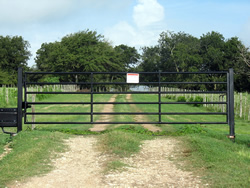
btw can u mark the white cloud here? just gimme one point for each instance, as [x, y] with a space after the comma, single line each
[148, 16]
[26, 11]
[124, 33]
[148, 12]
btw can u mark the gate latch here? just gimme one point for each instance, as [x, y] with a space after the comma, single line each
[25, 105]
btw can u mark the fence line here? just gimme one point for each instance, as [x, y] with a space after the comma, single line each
[8, 97]
[241, 100]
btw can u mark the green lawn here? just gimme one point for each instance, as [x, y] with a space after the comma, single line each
[68, 108]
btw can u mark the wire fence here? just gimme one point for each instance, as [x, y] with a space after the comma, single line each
[8, 98]
[241, 100]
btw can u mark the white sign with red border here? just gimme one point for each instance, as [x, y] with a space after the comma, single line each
[132, 78]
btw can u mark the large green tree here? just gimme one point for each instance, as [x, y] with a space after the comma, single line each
[14, 53]
[84, 51]
[181, 52]
[128, 56]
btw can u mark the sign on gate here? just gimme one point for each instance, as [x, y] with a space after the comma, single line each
[132, 78]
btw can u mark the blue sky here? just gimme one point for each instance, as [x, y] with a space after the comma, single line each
[133, 22]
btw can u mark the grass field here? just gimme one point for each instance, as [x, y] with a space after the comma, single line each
[67, 108]
[208, 152]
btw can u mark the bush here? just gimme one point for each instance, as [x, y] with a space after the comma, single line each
[196, 99]
[181, 99]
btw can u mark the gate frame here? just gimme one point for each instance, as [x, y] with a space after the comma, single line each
[24, 105]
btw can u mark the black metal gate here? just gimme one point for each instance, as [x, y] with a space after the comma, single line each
[149, 79]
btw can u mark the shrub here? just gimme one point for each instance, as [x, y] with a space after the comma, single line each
[196, 99]
[181, 99]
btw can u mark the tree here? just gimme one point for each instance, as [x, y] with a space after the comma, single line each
[179, 51]
[244, 54]
[150, 62]
[4, 77]
[242, 69]
[84, 51]
[211, 51]
[13, 54]
[128, 56]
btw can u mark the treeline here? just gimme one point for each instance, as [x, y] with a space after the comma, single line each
[181, 52]
[14, 53]
[88, 51]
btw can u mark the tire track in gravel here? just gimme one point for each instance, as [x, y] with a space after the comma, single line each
[80, 166]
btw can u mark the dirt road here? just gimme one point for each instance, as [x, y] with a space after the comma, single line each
[82, 166]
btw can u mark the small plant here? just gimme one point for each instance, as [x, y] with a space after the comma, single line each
[196, 99]
[181, 99]
[115, 165]
[191, 129]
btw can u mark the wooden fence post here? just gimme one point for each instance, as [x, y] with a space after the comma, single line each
[33, 126]
[240, 105]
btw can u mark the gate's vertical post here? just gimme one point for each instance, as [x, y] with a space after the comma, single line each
[91, 98]
[25, 97]
[159, 95]
[228, 95]
[231, 104]
[19, 99]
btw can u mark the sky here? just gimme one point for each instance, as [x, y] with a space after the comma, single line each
[136, 23]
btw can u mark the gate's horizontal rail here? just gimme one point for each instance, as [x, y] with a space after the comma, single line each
[131, 92]
[77, 103]
[117, 83]
[126, 113]
[209, 72]
[126, 123]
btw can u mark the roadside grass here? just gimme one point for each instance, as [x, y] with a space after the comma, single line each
[222, 163]
[4, 139]
[31, 155]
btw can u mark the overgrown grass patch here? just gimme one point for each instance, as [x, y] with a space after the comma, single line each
[120, 144]
[31, 154]
[223, 163]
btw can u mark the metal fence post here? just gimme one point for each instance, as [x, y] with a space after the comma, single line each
[231, 105]
[19, 99]
[159, 94]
